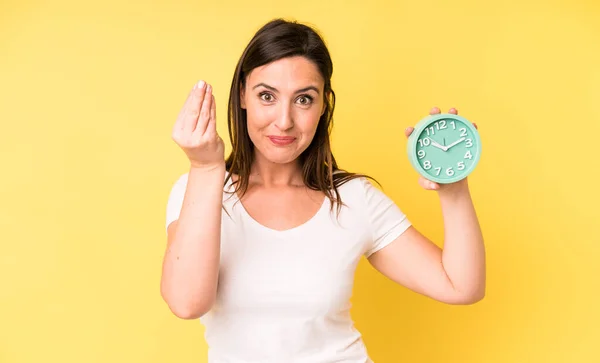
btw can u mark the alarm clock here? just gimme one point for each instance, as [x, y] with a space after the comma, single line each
[444, 148]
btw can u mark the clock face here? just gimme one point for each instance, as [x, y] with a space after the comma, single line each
[446, 148]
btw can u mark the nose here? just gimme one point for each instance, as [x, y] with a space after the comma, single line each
[285, 119]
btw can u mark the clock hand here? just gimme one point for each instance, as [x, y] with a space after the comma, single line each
[456, 142]
[434, 143]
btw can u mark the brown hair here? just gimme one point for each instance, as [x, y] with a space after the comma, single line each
[273, 41]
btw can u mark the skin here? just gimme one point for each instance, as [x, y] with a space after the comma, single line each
[277, 98]
[284, 98]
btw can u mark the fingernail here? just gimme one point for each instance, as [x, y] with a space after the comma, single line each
[200, 84]
[208, 88]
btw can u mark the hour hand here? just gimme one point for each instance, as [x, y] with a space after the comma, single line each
[434, 143]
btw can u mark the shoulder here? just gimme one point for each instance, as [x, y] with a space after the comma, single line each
[356, 186]
[362, 198]
[354, 192]
[367, 195]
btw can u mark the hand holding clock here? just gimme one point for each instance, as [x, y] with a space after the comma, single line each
[462, 258]
[443, 170]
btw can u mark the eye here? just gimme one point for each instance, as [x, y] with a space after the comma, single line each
[266, 96]
[305, 100]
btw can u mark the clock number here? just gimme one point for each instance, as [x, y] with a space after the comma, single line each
[469, 143]
[432, 131]
[468, 155]
[427, 165]
[461, 165]
[438, 169]
[463, 132]
[453, 125]
[421, 154]
[424, 142]
[441, 125]
[449, 171]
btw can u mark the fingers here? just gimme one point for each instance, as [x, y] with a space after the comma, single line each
[191, 110]
[433, 111]
[455, 112]
[436, 110]
[180, 123]
[212, 123]
[428, 184]
[204, 111]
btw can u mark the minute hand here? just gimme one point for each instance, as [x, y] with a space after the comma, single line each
[456, 142]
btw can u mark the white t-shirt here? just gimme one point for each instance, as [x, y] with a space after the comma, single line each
[283, 296]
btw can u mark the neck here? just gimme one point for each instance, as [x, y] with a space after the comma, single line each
[269, 174]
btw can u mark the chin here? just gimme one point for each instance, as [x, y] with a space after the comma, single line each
[279, 155]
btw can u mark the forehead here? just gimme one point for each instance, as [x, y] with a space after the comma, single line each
[287, 73]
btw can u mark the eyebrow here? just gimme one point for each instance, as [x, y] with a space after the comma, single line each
[298, 91]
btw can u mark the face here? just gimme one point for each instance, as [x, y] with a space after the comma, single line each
[283, 102]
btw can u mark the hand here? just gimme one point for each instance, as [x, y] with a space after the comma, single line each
[195, 130]
[426, 183]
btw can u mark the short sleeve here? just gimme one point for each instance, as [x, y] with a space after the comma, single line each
[175, 200]
[386, 220]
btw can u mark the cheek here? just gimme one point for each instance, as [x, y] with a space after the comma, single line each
[257, 119]
[259, 116]
[308, 120]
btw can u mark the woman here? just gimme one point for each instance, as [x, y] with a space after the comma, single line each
[263, 246]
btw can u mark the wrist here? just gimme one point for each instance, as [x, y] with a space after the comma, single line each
[460, 189]
[208, 168]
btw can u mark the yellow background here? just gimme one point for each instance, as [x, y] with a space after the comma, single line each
[88, 95]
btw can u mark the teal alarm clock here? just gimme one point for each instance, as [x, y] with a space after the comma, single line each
[444, 148]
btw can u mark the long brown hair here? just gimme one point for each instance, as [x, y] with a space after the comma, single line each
[273, 41]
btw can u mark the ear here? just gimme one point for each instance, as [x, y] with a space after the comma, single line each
[242, 97]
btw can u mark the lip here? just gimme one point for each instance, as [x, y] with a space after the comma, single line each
[282, 140]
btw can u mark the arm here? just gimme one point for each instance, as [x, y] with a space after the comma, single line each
[191, 262]
[454, 275]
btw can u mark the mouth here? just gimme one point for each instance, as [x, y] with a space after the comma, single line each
[282, 140]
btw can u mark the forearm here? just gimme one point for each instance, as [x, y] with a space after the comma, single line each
[191, 264]
[463, 256]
